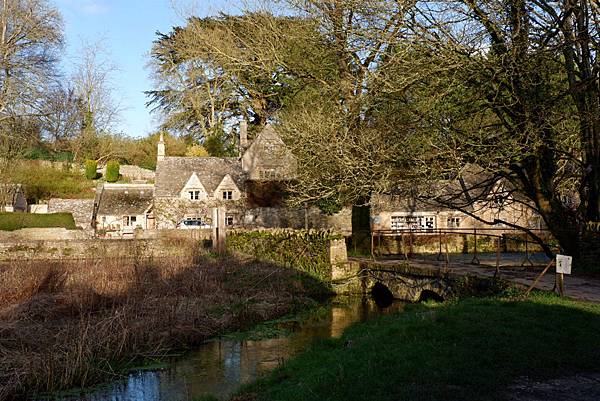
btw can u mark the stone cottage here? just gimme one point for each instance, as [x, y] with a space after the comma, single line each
[246, 189]
[480, 198]
[120, 209]
[192, 187]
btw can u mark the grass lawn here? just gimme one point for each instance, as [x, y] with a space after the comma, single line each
[16, 221]
[466, 350]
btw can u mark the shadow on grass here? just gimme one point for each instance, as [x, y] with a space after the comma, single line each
[469, 350]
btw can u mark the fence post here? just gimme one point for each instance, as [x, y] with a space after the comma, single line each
[447, 256]
[439, 256]
[497, 272]
[475, 260]
[527, 258]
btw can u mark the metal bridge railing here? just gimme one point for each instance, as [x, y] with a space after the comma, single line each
[497, 235]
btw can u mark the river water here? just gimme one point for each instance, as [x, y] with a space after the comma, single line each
[219, 367]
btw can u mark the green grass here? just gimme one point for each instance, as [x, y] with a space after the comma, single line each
[466, 350]
[16, 221]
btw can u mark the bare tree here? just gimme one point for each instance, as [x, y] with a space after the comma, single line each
[95, 92]
[513, 87]
[30, 41]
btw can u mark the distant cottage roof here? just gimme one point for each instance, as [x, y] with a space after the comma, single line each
[125, 199]
[172, 173]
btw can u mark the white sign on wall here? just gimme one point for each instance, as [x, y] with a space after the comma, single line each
[563, 264]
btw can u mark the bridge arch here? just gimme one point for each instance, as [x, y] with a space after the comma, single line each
[430, 295]
[382, 295]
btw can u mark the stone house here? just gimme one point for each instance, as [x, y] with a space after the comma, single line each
[12, 198]
[480, 200]
[193, 187]
[120, 209]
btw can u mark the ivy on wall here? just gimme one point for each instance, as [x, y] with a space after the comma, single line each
[307, 251]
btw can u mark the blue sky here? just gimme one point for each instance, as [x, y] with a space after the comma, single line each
[126, 29]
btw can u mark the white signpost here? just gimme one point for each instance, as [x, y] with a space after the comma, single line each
[563, 264]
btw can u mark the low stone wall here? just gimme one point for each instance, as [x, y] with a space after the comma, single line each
[43, 234]
[311, 218]
[456, 243]
[196, 234]
[133, 172]
[81, 209]
[95, 248]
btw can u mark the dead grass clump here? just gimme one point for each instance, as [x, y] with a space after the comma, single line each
[72, 324]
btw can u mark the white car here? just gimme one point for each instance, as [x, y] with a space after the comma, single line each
[192, 223]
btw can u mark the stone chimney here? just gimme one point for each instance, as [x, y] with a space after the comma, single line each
[243, 134]
[161, 148]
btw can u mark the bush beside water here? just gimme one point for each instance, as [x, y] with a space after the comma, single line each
[307, 251]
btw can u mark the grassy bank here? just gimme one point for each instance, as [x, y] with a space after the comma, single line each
[468, 350]
[66, 325]
[16, 221]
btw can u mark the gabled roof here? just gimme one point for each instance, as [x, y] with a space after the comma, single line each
[125, 199]
[172, 173]
[194, 183]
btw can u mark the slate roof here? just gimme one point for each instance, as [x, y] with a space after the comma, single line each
[172, 173]
[473, 185]
[125, 199]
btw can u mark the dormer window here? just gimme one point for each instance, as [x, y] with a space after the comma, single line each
[227, 195]
[193, 189]
[194, 194]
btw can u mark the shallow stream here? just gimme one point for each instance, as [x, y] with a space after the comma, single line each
[220, 366]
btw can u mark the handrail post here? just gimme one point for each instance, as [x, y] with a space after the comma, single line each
[475, 260]
[497, 272]
[439, 256]
[372, 245]
[447, 256]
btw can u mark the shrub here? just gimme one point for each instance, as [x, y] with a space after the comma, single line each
[43, 182]
[303, 250]
[112, 171]
[91, 167]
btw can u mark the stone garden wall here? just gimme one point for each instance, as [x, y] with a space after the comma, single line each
[95, 248]
[81, 209]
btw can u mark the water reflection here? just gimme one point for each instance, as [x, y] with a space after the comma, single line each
[219, 367]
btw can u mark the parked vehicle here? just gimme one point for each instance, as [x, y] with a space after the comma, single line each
[192, 223]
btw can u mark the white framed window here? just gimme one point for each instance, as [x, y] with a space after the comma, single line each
[129, 221]
[398, 223]
[229, 220]
[227, 195]
[413, 222]
[194, 194]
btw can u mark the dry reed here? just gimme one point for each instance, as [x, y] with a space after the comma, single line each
[74, 324]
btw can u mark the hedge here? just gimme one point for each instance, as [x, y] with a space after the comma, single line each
[307, 251]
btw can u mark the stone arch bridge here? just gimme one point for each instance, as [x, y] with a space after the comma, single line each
[404, 282]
